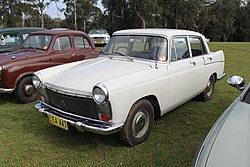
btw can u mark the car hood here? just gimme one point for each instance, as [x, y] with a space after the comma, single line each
[81, 79]
[18, 55]
[232, 145]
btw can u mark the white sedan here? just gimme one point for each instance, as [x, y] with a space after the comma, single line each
[142, 74]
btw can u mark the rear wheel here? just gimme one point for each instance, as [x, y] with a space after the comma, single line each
[138, 124]
[25, 91]
[209, 90]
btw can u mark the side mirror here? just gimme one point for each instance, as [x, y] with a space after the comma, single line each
[236, 81]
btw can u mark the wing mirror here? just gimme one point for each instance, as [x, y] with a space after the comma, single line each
[236, 81]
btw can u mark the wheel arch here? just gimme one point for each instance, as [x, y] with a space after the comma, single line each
[154, 101]
[21, 76]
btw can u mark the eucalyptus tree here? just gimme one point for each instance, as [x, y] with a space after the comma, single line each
[222, 16]
[79, 12]
[10, 13]
[40, 5]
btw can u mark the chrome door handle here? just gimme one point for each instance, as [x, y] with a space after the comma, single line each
[73, 55]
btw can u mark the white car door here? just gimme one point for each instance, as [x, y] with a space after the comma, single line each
[184, 72]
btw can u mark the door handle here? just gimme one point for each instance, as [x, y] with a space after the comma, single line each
[194, 63]
[73, 55]
[209, 58]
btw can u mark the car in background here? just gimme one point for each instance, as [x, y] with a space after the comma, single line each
[12, 38]
[141, 74]
[227, 144]
[41, 49]
[99, 36]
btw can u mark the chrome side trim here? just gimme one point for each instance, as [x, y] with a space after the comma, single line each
[3, 90]
[221, 76]
[82, 124]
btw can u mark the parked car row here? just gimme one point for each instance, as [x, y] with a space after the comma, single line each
[140, 75]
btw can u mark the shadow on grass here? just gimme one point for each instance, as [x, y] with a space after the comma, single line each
[40, 127]
[8, 98]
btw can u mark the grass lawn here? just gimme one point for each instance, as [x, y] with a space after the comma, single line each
[27, 138]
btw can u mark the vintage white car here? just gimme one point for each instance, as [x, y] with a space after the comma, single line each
[141, 75]
[99, 36]
[227, 143]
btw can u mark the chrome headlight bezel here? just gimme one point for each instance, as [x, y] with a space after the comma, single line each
[100, 94]
[37, 81]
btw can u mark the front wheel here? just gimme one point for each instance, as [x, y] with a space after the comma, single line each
[209, 90]
[25, 91]
[138, 124]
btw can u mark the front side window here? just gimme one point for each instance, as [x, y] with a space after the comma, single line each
[37, 42]
[62, 43]
[145, 47]
[81, 42]
[179, 48]
[197, 47]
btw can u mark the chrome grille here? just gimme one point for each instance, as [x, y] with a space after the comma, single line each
[84, 107]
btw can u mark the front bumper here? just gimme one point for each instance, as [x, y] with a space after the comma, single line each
[81, 124]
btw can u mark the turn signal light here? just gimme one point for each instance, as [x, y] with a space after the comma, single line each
[105, 117]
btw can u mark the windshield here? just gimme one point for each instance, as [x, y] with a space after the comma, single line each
[97, 31]
[37, 42]
[146, 47]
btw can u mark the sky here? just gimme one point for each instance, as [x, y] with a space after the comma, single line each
[54, 13]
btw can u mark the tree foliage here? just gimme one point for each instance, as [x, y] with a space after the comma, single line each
[219, 20]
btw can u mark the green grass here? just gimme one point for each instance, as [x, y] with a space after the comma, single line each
[27, 139]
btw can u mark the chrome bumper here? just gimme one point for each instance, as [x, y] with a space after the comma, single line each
[83, 124]
[221, 76]
[3, 90]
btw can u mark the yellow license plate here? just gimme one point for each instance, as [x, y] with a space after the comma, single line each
[58, 122]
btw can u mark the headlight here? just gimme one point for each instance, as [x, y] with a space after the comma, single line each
[37, 82]
[100, 94]
[1, 70]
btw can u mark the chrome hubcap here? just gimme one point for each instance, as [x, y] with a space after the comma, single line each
[29, 89]
[209, 88]
[140, 123]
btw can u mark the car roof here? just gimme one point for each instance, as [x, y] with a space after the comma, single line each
[20, 29]
[156, 32]
[59, 32]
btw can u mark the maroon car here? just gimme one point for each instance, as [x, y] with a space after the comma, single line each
[40, 50]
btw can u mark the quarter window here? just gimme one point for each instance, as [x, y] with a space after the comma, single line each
[62, 43]
[179, 48]
[197, 47]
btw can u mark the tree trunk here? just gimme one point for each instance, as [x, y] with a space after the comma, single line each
[42, 18]
[142, 19]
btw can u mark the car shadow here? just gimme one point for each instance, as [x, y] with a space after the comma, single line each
[8, 98]
[72, 138]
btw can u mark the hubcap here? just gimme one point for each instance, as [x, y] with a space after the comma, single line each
[29, 89]
[140, 123]
[209, 88]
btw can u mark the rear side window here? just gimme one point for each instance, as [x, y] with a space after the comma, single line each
[62, 43]
[197, 46]
[9, 39]
[179, 48]
[81, 42]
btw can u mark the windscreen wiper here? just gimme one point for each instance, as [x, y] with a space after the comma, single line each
[107, 54]
[123, 54]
